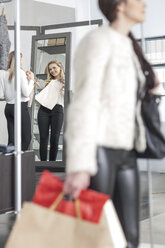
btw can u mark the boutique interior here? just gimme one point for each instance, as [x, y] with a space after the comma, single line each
[51, 30]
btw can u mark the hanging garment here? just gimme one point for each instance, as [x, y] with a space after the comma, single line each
[4, 43]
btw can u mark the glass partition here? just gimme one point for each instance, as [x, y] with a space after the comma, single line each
[155, 52]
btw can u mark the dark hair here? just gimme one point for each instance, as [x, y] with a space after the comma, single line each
[145, 65]
[109, 9]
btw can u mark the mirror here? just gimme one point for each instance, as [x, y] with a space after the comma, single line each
[48, 123]
[33, 37]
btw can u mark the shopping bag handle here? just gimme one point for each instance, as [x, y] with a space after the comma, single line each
[59, 199]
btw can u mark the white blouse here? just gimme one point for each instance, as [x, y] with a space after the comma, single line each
[8, 88]
[103, 109]
[61, 97]
[51, 95]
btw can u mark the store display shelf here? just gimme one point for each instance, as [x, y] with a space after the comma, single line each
[53, 49]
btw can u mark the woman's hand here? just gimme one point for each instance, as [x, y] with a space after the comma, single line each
[30, 75]
[75, 182]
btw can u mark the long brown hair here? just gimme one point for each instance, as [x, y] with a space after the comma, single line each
[11, 65]
[50, 77]
[109, 9]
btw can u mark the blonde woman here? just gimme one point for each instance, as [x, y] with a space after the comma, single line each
[8, 94]
[52, 118]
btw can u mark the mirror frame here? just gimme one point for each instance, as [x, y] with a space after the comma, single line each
[36, 38]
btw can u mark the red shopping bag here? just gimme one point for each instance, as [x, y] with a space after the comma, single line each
[49, 220]
[90, 201]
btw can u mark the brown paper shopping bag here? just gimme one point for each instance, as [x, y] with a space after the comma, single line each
[39, 227]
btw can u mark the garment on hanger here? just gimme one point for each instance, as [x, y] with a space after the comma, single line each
[4, 43]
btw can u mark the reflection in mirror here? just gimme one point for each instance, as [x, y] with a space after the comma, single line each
[49, 68]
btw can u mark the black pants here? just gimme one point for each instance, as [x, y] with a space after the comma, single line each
[118, 176]
[52, 119]
[25, 125]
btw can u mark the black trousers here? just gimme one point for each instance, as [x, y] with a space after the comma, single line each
[118, 176]
[52, 119]
[25, 125]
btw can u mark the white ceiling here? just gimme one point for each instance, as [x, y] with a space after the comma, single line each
[35, 13]
[66, 3]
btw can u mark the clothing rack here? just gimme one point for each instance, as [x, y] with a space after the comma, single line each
[17, 109]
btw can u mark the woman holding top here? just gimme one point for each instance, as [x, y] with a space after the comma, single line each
[104, 122]
[7, 79]
[50, 114]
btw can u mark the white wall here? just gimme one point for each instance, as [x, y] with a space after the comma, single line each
[96, 12]
[66, 3]
[155, 18]
[82, 10]
[34, 13]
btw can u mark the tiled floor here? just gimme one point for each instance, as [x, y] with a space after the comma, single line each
[158, 219]
[6, 223]
[149, 246]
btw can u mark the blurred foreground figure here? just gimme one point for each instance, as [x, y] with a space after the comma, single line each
[104, 123]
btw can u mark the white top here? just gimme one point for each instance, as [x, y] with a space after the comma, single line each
[103, 109]
[61, 96]
[7, 89]
[51, 95]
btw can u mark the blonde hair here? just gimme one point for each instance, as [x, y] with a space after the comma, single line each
[50, 77]
[11, 65]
